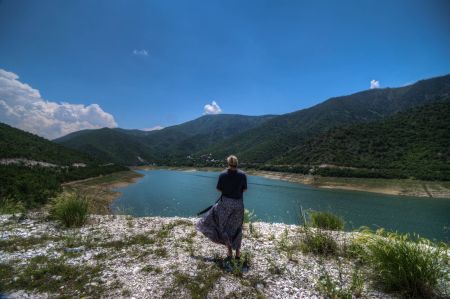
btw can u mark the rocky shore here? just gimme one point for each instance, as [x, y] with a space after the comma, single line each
[155, 257]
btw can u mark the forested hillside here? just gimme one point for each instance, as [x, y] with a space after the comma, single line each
[414, 143]
[33, 168]
[296, 141]
[134, 147]
[280, 134]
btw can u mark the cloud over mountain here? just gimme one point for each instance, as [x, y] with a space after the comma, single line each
[23, 107]
[212, 108]
[374, 84]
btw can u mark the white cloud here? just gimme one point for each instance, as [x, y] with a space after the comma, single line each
[153, 128]
[141, 52]
[212, 108]
[23, 107]
[374, 84]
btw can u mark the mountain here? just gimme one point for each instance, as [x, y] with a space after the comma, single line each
[412, 143]
[118, 145]
[280, 134]
[131, 147]
[289, 139]
[32, 168]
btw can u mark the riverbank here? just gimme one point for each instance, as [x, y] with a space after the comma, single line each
[401, 187]
[99, 190]
[155, 257]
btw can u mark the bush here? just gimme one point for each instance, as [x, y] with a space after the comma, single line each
[70, 208]
[318, 242]
[326, 220]
[248, 216]
[11, 206]
[415, 267]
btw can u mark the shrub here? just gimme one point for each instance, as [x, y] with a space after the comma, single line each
[248, 216]
[415, 267]
[11, 206]
[326, 220]
[318, 242]
[70, 209]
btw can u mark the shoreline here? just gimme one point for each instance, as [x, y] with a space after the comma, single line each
[397, 187]
[100, 189]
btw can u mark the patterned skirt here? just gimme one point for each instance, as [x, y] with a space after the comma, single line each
[223, 222]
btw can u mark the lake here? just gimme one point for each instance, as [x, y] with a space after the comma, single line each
[184, 193]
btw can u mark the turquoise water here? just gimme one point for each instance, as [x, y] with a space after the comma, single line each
[179, 193]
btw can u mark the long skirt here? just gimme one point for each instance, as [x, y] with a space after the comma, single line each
[223, 222]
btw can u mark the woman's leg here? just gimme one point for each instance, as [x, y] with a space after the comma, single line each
[230, 252]
[238, 253]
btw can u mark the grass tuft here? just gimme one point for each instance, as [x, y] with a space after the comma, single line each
[70, 209]
[326, 220]
[412, 266]
[318, 242]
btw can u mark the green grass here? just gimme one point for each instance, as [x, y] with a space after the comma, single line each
[53, 276]
[412, 266]
[201, 284]
[19, 243]
[318, 242]
[11, 206]
[335, 289]
[326, 220]
[71, 209]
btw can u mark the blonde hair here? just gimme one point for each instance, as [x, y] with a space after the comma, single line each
[232, 161]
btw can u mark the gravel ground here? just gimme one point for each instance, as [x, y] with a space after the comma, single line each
[156, 257]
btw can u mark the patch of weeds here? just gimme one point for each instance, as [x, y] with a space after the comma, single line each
[150, 268]
[130, 223]
[101, 256]
[19, 243]
[11, 206]
[239, 266]
[160, 252]
[336, 288]
[325, 220]
[44, 275]
[288, 246]
[275, 269]
[318, 242]
[248, 216]
[412, 266]
[126, 293]
[71, 209]
[178, 222]
[201, 284]
[163, 233]
[139, 239]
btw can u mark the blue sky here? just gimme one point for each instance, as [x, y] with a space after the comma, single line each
[150, 63]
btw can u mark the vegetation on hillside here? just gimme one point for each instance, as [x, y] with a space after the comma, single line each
[370, 134]
[32, 185]
[166, 146]
[414, 143]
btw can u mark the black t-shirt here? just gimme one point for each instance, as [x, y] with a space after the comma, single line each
[232, 183]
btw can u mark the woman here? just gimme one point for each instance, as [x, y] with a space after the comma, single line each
[223, 222]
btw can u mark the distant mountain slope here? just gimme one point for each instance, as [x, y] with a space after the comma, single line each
[413, 143]
[113, 144]
[15, 143]
[32, 168]
[131, 147]
[282, 133]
